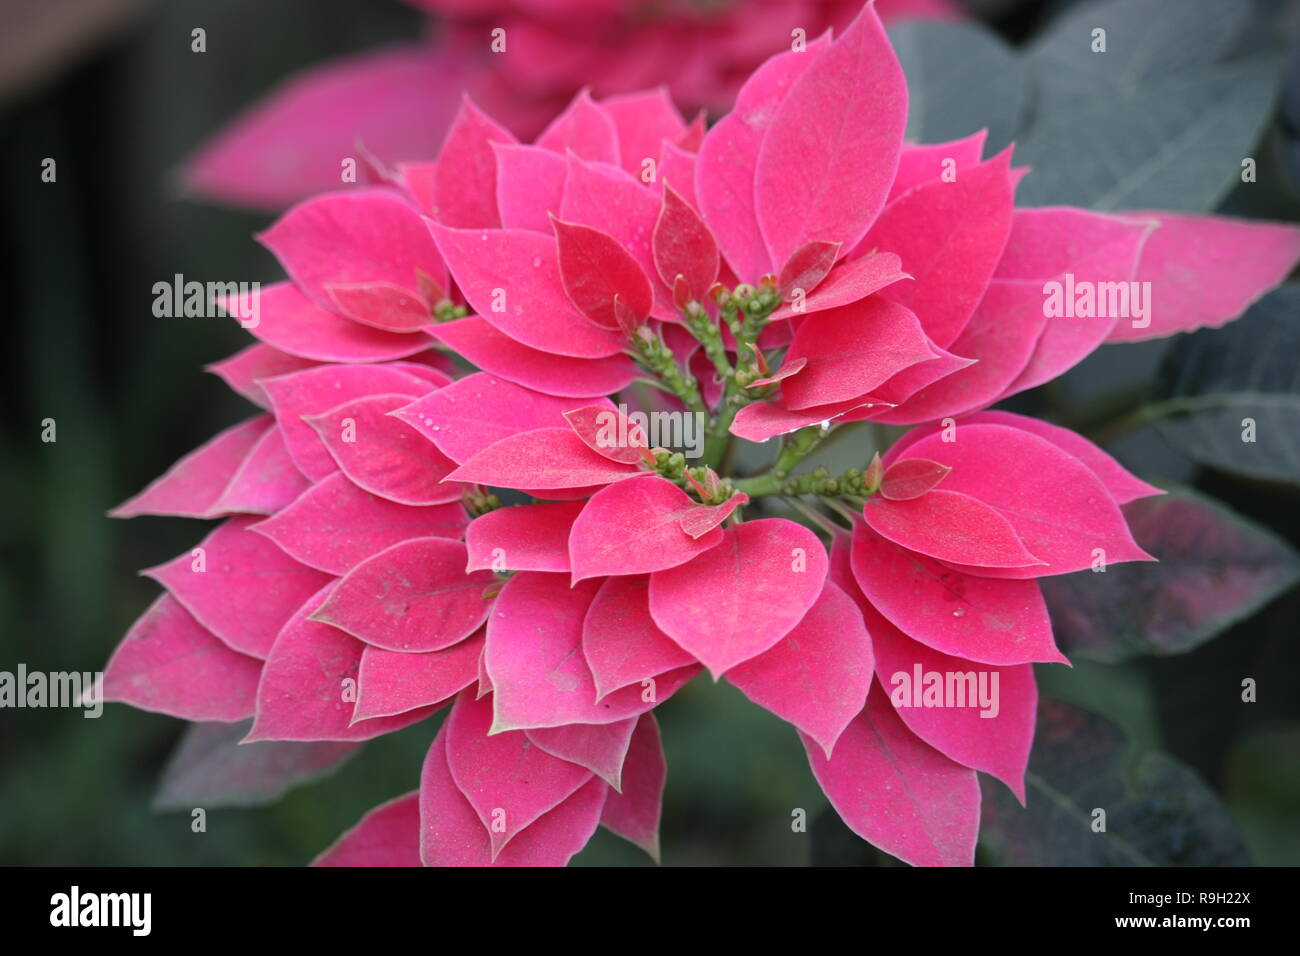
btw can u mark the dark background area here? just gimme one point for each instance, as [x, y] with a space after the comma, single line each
[78, 260]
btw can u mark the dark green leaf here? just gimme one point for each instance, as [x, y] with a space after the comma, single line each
[1174, 145]
[210, 768]
[1216, 568]
[1214, 379]
[960, 78]
[1146, 42]
[1157, 811]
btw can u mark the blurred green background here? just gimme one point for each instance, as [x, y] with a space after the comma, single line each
[119, 112]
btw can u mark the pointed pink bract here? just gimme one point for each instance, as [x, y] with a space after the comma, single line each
[918, 165]
[267, 480]
[383, 454]
[474, 412]
[620, 640]
[243, 370]
[532, 537]
[899, 793]
[356, 237]
[909, 478]
[394, 682]
[1057, 506]
[682, 245]
[290, 145]
[829, 157]
[335, 525]
[464, 182]
[585, 128]
[612, 202]
[643, 120]
[849, 282]
[1085, 250]
[511, 277]
[724, 176]
[302, 692]
[317, 390]
[601, 748]
[297, 325]
[1122, 485]
[737, 600]
[535, 662]
[950, 236]
[853, 349]
[991, 734]
[702, 519]
[609, 432]
[506, 780]
[389, 835]
[414, 596]
[171, 664]
[542, 459]
[634, 813]
[952, 526]
[387, 307]
[530, 184]
[596, 272]
[269, 585]
[997, 343]
[633, 527]
[503, 357]
[452, 834]
[806, 267]
[192, 486]
[817, 676]
[978, 618]
[1206, 270]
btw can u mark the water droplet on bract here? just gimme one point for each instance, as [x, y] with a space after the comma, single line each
[960, 612]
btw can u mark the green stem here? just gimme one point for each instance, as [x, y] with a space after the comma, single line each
[814, 516]
[758, 485]
[655, 355]
[797, 447]
[756, 306]
[717, 443]
[1138, 418]
[710, 338]
[840, 510]
[718, 440]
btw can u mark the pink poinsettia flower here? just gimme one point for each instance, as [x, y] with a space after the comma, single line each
[522, 61]
[516, 543]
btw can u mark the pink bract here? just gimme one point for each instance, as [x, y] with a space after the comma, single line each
[523, 546]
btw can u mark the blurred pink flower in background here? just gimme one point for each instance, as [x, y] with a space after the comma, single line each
[398, 102]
